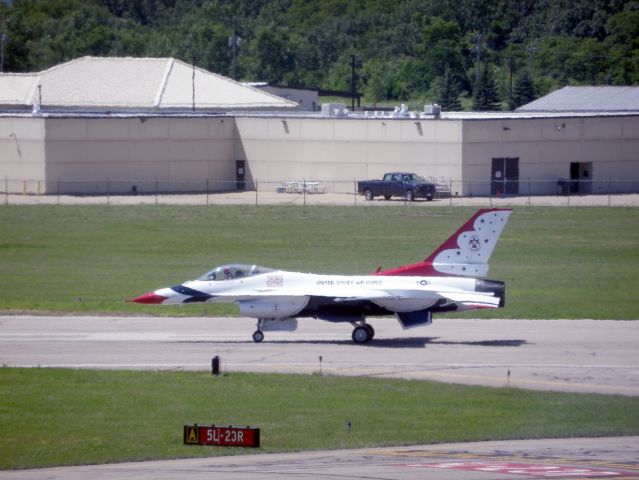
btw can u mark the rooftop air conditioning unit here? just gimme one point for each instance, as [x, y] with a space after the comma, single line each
[434, 110]
[334, 109]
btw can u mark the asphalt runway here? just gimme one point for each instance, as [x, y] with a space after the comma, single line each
[561, 355]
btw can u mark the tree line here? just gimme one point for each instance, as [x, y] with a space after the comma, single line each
[480, 54]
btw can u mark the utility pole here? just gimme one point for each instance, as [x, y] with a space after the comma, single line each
[353, 82]
[116, 36]
[234, 44]
[193, 85]
[478, 58]
[510, 81]
[532, 48]
[4, 38]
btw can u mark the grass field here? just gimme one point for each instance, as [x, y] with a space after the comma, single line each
[557, 262]
[64, 417]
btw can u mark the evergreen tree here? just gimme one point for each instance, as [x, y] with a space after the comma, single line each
[449, 90]
[375, 90]
[524, 91]
[485, 96]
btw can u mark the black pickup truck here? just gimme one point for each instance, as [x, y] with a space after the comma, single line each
[397, 184]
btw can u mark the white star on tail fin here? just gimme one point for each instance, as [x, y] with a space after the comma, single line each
[469, 250]
[466, 252]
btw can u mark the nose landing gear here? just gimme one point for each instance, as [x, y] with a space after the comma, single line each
[258, 336]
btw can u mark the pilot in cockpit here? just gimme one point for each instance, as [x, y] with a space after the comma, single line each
[229, 272]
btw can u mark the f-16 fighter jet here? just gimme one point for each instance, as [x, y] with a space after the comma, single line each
[447, 281]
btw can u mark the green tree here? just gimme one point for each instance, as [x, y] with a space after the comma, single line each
[440, 50]
[485, 97]
[310, 42]
[622, 43]
[524, 91]
[447, 91]
[272, 57]
[589, 63]
[376, 89]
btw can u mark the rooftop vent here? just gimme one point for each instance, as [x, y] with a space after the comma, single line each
[433, 109]
[334, 109]
[401, 112]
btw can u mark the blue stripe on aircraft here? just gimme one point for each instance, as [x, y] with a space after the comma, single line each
[196, 295]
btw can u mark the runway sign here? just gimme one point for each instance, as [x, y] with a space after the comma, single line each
[221, 436]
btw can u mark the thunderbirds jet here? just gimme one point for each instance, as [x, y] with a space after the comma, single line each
[446, 281]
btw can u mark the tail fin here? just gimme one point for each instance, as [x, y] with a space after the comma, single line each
[466, 252]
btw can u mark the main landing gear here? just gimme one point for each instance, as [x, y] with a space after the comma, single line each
[363, 332]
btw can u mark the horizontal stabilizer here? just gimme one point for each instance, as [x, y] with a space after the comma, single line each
[473, 300]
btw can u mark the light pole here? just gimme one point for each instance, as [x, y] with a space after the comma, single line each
[478, 57]
[532, 48]
[3, 40]
[234, 44]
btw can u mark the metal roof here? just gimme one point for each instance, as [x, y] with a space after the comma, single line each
[586, 99]
[138, 84]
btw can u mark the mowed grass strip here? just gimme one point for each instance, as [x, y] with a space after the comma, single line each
[557, 262]
[69, 417]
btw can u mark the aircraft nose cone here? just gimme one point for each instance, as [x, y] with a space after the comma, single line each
[149, 298]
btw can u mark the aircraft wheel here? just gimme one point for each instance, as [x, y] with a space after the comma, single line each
[258, 336]
[371, 331]
[361, 335]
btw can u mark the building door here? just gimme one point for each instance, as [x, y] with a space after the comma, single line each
[240, 174]
[581, 177]
[505, 176]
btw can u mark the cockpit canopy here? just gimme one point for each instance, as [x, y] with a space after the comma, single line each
[233, 271]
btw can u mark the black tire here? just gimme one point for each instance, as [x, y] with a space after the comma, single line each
[368, 194]
[429, 197]
[258, 336]
[371, 331]
[410, 196]
[361, 335]
[387, 197]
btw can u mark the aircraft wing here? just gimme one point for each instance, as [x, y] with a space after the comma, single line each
[338, 293]
[369, 295]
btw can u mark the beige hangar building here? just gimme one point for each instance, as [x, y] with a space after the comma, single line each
[122, 125]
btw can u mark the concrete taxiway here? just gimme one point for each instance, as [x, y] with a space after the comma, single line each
[526, 459]
[561, 355]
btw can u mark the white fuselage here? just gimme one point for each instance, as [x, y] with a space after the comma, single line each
[280, 294]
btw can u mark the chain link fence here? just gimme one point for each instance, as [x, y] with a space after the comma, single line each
[315, 192]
